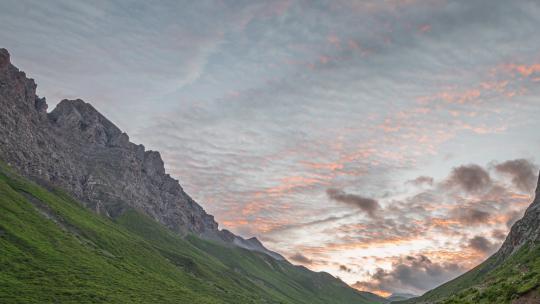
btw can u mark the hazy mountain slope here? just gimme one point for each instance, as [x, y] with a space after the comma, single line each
[55, 250]
[400, 297]
[512, 274]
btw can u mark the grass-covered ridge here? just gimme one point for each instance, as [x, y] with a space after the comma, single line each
[53, 250]
[516, 278]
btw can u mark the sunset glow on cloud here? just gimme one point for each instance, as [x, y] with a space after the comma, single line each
[389, 143]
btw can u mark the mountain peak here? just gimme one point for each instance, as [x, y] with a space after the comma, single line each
[78, 149]
[81, 118]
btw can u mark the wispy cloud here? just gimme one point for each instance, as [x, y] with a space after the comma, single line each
[369, 205]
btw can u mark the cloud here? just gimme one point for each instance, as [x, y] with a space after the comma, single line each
[370, 206]
[410, 274]
[421, 180]
[314, 223]
[345, 268]
[300, 258]
[522, 171]
[481, 244]
[471, 178]
[471, 216]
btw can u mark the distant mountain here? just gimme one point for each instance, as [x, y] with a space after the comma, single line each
[146, 241]
[511, 275]
[400, 297]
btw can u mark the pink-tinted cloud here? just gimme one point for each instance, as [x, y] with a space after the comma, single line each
[524, 70]
[424, 28]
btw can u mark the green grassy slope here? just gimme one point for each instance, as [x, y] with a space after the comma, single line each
[53, 250]
[515, 278]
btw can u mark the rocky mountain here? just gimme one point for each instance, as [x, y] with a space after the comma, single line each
[54, 250]
[86, 216]
[76, 148]
[524, 231]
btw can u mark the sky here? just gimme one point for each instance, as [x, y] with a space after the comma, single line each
[391, 143]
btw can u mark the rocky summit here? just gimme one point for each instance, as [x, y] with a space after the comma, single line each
[77, 149]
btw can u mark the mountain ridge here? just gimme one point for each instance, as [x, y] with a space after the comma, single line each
[55, 250]
[78, 149]
[89, 217]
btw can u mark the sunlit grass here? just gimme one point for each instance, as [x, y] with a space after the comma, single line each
[53, 250]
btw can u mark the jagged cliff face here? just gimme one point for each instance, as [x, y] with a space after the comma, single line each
[526, 230]
[78, 149]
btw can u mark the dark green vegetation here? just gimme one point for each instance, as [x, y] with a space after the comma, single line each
[53, 250]
[492, 282]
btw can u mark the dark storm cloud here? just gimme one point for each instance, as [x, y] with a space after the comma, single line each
[522, 171]
[481, 244]
[300, 258]
[368, 205]
[411, 273]
[471, 178]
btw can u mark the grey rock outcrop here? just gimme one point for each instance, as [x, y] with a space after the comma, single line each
[77, 149]
[254, 244]
[524, 231]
